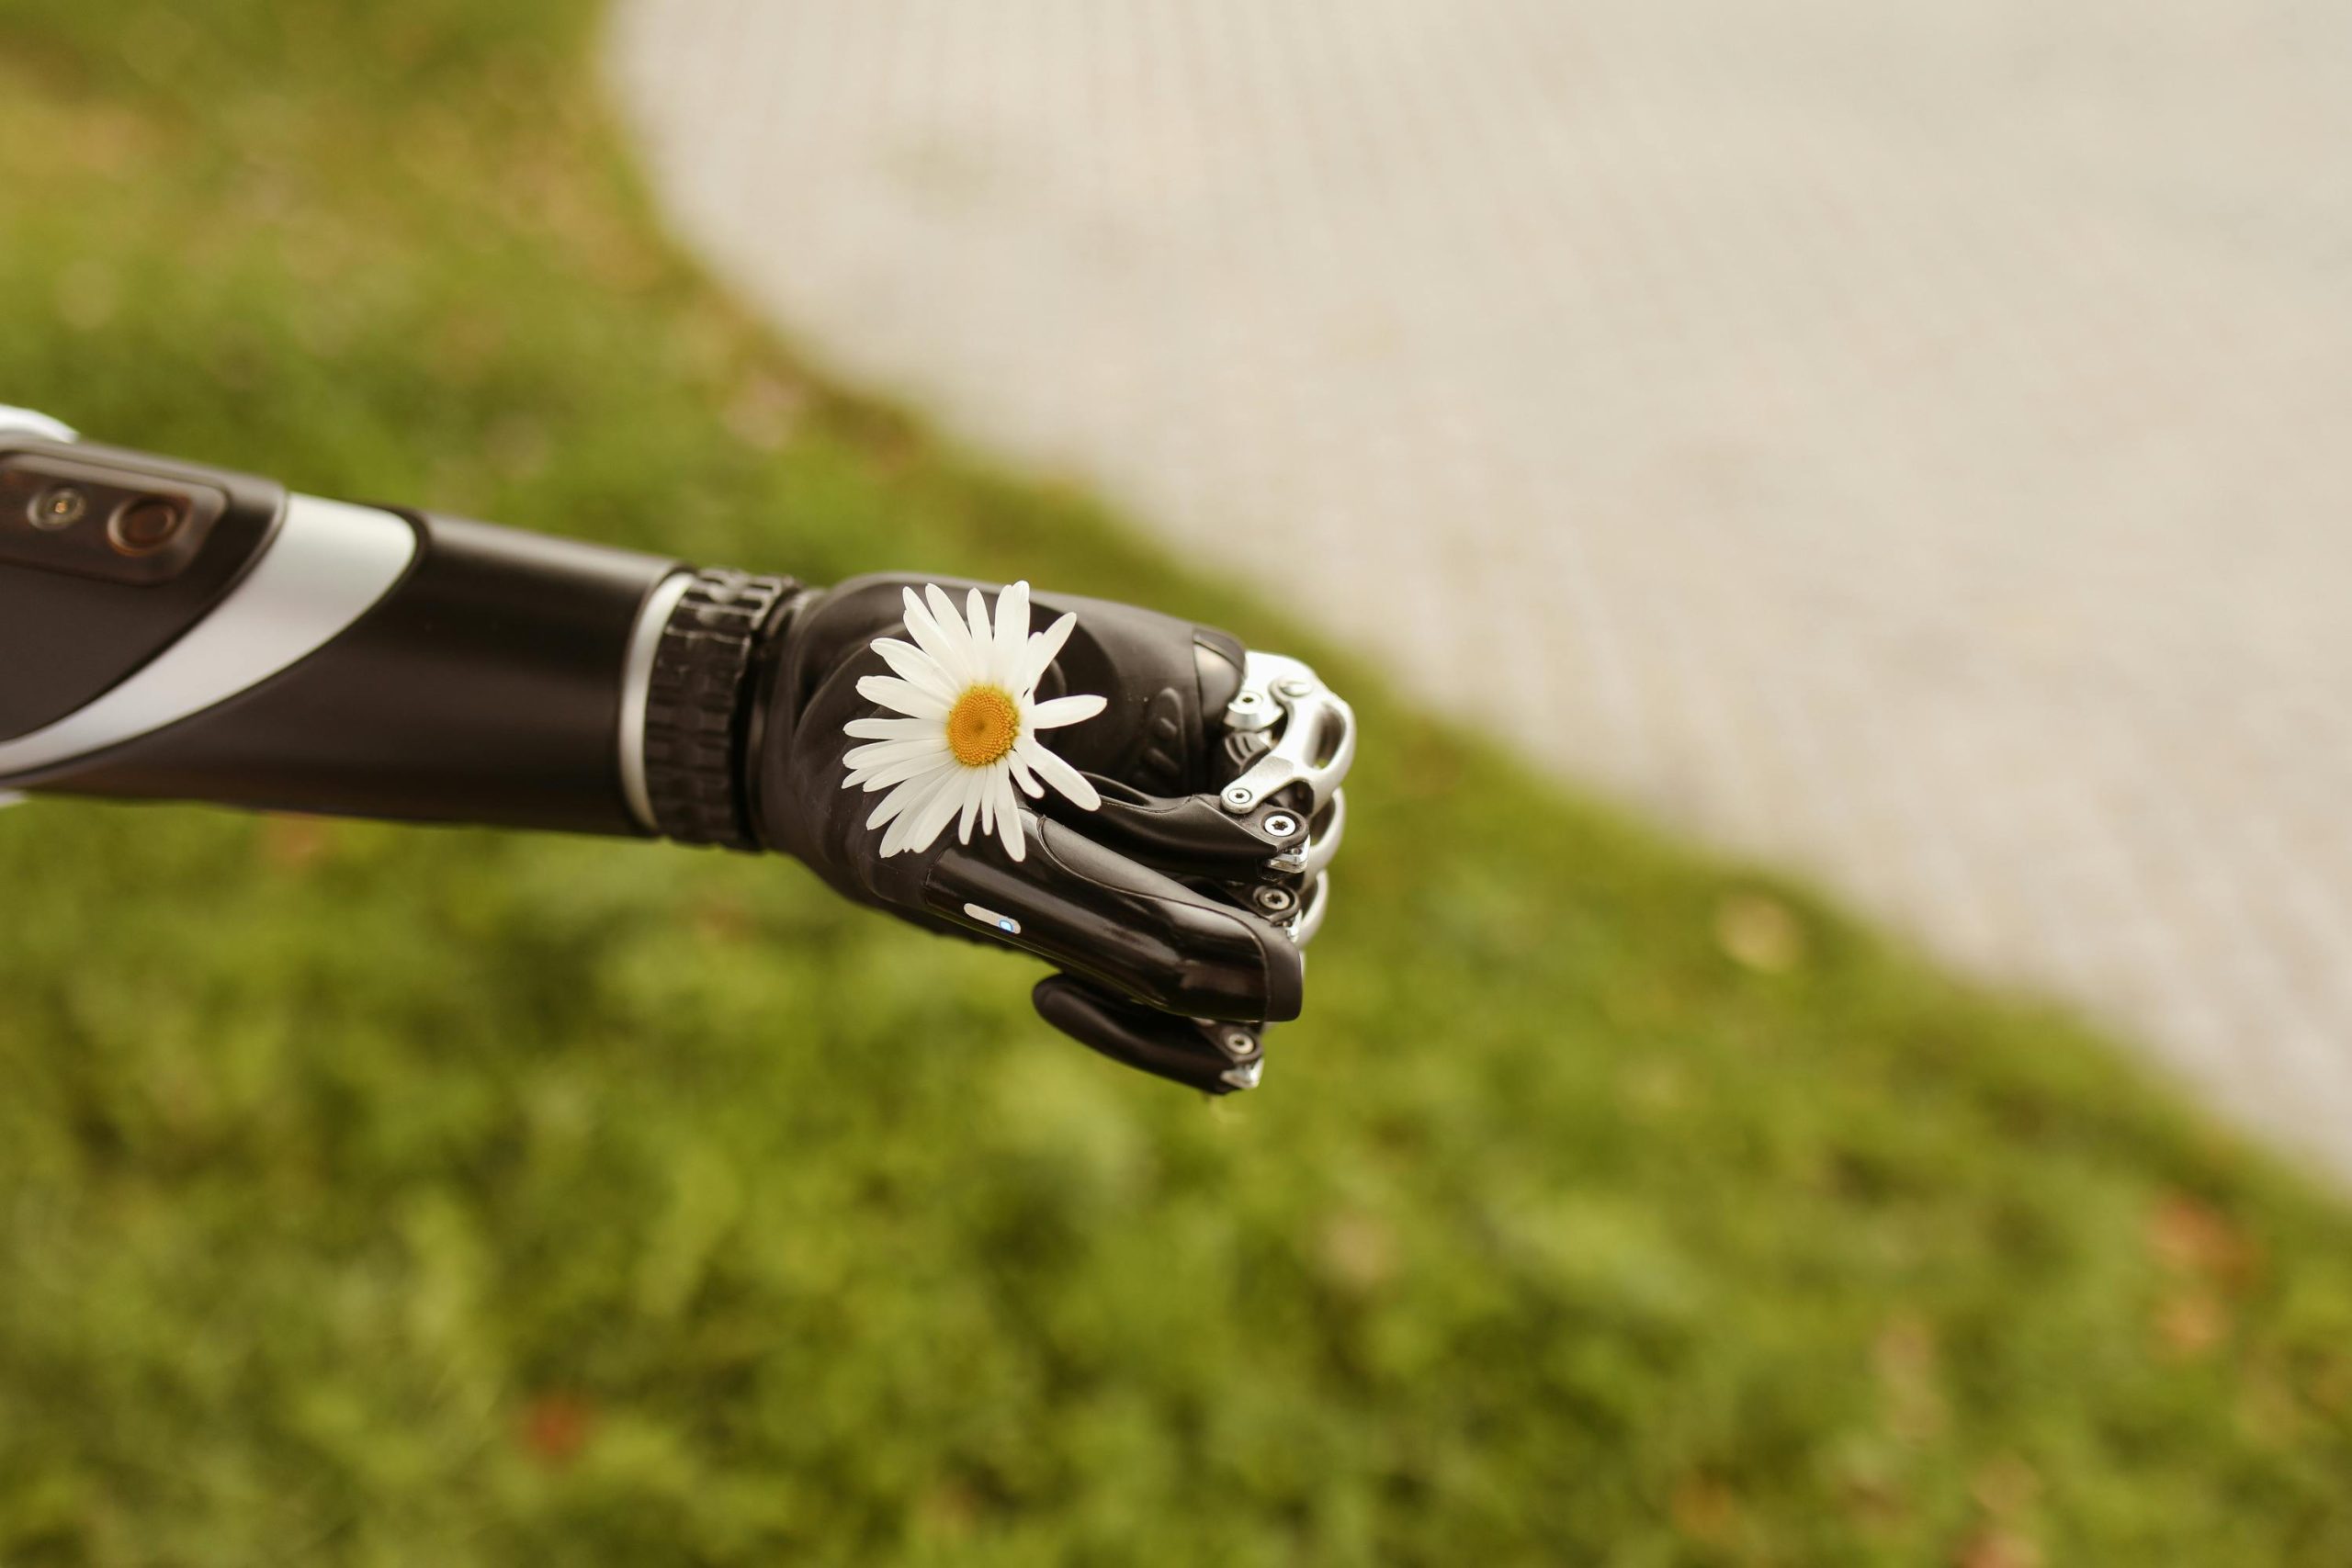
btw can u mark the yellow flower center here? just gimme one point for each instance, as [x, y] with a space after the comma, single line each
[983, 725]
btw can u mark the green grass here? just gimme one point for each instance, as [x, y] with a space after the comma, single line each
[394, 1196]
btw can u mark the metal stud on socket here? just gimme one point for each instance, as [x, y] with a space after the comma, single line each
[59, 506]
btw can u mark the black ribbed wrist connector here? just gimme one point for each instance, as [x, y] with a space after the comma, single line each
[694, 718]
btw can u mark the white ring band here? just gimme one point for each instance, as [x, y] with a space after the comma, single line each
[637, 691]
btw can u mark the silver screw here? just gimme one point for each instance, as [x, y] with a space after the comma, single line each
[1238, 796]
[1277, 901]
[1281, 824]
[1239, 1044]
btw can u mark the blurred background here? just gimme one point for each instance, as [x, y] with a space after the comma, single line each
[1905, 446]
[1723, 455]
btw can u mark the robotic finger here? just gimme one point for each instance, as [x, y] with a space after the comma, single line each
[1173, 946]
[1216, 1058]
[1261, 843]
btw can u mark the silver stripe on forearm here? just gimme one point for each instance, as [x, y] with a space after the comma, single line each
[327, 566]
[25, 422]
[637, 690]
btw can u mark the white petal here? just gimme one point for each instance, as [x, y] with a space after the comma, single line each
[939, 810]
[1008, 816]
[1063, 710]
[988, 812]
[906, 698]
[924, 628]
[896, 767]
[914, 791]
[912, 768]
[1024, 777]
[1057, 773]
[976, 615]
[896, 728]
[892, 803]
[1012, 632]
[1041, 653]
[882, 753]
[925, 795]
[971, 812]
[952, 630]
[916, 667]
[919, 797]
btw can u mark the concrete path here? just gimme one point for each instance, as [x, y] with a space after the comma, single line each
[1908, 443]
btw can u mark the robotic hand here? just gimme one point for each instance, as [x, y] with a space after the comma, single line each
[169, 631]
[1177, 906]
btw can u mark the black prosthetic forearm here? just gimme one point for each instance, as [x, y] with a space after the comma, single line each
[175, 631]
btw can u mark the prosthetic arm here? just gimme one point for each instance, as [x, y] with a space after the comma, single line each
[171, 631]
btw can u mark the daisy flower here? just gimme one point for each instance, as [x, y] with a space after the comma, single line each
[965, 722]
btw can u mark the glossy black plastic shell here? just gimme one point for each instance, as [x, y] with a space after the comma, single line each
[485, 687]
[66, 639]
